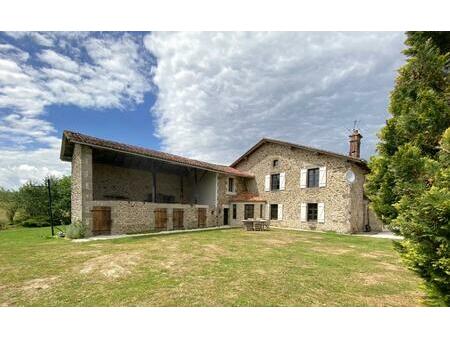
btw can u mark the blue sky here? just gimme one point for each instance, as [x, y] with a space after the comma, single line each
[209, 96]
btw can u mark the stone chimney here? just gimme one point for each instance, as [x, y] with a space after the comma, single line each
[355, 144]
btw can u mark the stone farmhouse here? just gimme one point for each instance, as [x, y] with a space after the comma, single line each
[119, 188]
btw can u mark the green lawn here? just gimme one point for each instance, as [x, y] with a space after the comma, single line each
[211, 268]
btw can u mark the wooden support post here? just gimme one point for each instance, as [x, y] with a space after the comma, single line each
[196, 186]
[153, 184]
[181, 189]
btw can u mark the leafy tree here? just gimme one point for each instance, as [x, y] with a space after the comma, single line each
[9, 201]
[410, 178]
[34, 199]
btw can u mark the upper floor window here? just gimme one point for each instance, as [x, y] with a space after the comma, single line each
[275, 163]
[313, 178]
[275, 182]
[231, 187]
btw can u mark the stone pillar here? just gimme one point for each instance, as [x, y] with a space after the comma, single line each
[82, 190]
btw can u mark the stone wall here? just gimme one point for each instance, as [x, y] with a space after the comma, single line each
[136, 185]
[224, 197]
[81, 183]
[135, 217]
[336, 195]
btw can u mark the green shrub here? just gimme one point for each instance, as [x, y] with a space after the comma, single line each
[76, 230]
[36, 222]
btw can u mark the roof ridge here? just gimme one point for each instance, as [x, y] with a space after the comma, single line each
[266, 139]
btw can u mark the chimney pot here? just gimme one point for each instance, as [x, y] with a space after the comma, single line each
[355, 144]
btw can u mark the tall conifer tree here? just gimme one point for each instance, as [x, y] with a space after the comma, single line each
[410, 177]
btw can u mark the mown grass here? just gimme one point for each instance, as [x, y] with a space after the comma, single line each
[212, 268]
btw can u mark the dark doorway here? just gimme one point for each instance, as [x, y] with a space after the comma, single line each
[225, 216]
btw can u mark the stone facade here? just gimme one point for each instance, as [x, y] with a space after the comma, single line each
[343, 203]
[92, 183]
[345, 208]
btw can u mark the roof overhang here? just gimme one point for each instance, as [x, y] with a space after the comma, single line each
[69, 139]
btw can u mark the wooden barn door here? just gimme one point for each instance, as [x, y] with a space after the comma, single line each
[101, 220]
[160, 219]
[178, 215]
[201, 217]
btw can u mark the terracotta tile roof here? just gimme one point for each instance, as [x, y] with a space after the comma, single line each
[73, 137]
[247, 197]
[358, 161]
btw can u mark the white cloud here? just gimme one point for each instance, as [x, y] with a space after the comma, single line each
[219, 93]
[112, 73]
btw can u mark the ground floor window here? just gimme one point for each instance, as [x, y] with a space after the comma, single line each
[260, 211]
[312, 212]
[274, 211]
[234, 211]
[249, 211]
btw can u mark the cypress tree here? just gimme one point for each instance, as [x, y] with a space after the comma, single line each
[410, 178]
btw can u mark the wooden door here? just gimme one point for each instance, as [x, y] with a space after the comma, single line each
[101, 220]
[160, 219]
[201, 217]
[178, 219]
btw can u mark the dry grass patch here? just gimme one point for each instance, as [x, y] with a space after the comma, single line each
[111, 266]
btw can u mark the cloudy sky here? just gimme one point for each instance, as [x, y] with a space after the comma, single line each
[209, 96]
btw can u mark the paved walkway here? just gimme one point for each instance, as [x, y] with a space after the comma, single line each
[107, 237]
[381, 234]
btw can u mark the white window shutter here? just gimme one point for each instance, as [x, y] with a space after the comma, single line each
[282, 180]
[267, 215]
[303, 212]
[280, 212]
[321, 212]
[322, 176]
[303, 173]
[267, 183]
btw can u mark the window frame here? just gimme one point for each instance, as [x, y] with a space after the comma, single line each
[272, 182]
[275, 163]
[272, 208]
[249, 207]
[231, 185]
[315, 179]
[260, 211]
[234, 211]
[312, 215]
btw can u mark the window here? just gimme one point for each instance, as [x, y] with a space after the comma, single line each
[313, 177]
[275, 163]
[275, 182]
[312, 212]
[260, 211]
[249, 211]
[274, 211]
[231, 184]
[234, 211]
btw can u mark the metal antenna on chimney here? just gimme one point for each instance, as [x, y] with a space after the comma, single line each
[355, 124]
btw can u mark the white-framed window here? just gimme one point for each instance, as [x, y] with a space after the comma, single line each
[312, 212]
[276, 211]
[313, 177]
[275, 182]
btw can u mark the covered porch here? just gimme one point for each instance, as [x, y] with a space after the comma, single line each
[123, 189]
